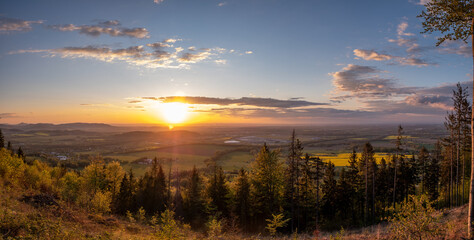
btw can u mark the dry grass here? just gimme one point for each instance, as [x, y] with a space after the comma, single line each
[22, 220]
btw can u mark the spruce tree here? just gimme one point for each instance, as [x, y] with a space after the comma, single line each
[194, 205]
[242, 208]
[2, 140]
[218, 192]
[267, 178]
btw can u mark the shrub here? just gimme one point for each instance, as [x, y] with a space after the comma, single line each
[168, 228]
[276, 222]
[70, 186]
[100, 203]
[214, 228]
[416, 219]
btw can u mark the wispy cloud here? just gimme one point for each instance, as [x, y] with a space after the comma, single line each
[154, 55]
[371, 55]
[8, 25]
[244, 101]
[8, 115]
[111, 28]
[158, 1]
[221, 4]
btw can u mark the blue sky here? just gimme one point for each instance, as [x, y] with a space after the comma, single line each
[328, 61]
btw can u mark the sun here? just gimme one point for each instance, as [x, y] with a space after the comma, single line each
[174, 113]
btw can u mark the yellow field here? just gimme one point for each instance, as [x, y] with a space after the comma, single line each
[394, 137]
[342, 159]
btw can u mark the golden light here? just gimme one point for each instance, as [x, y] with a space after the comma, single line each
[174, 113]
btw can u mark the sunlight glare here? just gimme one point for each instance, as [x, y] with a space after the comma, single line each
[174, 112]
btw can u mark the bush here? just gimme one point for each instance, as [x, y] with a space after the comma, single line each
[168, 228]
[70, 186]
[416, 219]
[10, 167]
[100, 203]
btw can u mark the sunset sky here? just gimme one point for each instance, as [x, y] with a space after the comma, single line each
[230, 61]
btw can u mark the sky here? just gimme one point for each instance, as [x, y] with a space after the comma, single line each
[224, 61]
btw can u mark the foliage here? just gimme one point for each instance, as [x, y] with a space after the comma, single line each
[450, 17]
[100, 203]
[214, 228]
[168, 228]
[416, 219]
[276, 222]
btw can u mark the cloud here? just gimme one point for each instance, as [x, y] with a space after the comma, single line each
[8, 25]
[195, 57]
[423, 2]
[110, 28]
[456, 47]
[402, 27]
[221, 4]
[357, 81]
[375, 56]
[221, 61]
[371, 55]
[413, 61]
[153, 55]
[244, 101]
[158, 1]
[8, 115]
[248, 52]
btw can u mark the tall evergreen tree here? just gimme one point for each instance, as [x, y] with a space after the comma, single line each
[20, 153]
[2, 140]
[267, 178]
[329, 189]
[218, 191]
[194, 205]
[242, 206]
[292, 173]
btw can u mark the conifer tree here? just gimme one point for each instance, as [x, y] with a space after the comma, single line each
[267, 178]
[242, 208]
[329, 189]
[292, 174]
[2, 140]
[218, 191]
[20, 153]
[194, 204]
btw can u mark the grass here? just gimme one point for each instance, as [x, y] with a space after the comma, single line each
[235, 160]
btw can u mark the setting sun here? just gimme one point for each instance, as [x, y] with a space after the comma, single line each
[174, 112]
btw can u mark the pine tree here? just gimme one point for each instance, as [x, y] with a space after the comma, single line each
[292, 174]
[20, 153]
[2, 140]
[9, 147]
[423, 163]
[218, 192]
[242, 207]
[367, 168]
[194, 204]
[153, 196]
[267, 178]
[329, 188]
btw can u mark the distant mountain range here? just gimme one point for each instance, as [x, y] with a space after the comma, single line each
[93, 127]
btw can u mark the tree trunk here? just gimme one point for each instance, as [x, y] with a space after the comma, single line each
[471, 188]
